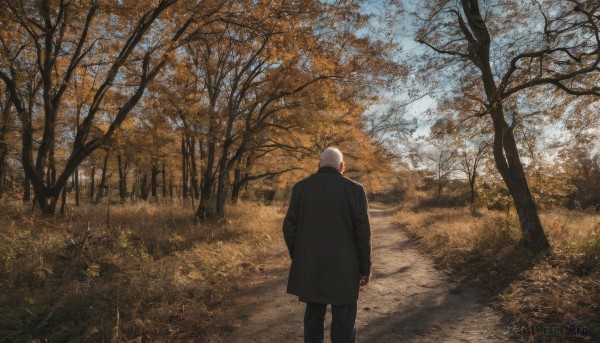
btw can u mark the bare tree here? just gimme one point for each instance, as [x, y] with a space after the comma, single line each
[441, 163]
[492, 59]
[470, 161]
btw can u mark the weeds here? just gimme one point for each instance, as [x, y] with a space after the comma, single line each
[559, 288]
[155, 275]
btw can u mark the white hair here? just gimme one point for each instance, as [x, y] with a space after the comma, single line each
[331, 157]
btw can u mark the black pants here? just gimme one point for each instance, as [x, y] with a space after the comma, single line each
[343, 323]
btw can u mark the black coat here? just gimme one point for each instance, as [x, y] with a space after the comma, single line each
[328, 236]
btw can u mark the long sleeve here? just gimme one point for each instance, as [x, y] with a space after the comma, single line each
[362, 229]
[290, 223]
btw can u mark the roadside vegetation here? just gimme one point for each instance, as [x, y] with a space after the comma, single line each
[485, 248]
[153, 274]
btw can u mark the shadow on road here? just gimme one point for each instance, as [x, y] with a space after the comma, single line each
[408, 300]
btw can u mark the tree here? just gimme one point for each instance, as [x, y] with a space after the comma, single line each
[583, 170]
[257, 70]
[470, 160]
[496, 60]
[46, 42]
[441, 161]
[5, 107]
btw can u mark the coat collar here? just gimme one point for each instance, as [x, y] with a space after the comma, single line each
[329, 170]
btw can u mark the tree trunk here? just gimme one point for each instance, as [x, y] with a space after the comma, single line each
[164, 180]
[206, 209]
[102, 188]
[26, 189]
[2, 163]
[506, 154]
[153, 181]
[473, 194]
[222, 193]
[122, 178]
[76, 186]
[3, 145]
[225, 165]
[203, 163]
[92, 183]
[144, 188]
[193, 168]
[51, 180]
[3, 153]
[237, 184]
[63, 201]
[76, 172]
[510, 167]
[136, 183]
[184, 169]
[45, 198]
[241, 178]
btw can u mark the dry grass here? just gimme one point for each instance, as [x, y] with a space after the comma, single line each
[559, 289]
[154, 275]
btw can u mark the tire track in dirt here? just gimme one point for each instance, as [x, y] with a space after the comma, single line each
[407, 300]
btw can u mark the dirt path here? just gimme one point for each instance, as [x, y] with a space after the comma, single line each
[408, 300]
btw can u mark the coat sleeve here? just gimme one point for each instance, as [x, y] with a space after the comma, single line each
[290, 223]
[362, 230]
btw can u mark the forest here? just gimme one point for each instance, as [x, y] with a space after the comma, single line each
[148, 151]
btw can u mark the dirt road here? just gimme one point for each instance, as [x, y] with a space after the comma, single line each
[408, 299]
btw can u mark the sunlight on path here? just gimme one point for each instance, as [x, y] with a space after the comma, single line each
[408, 300]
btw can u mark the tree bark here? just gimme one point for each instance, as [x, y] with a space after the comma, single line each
[2, 163]
[472, 187]
[153, 181]
[237, 183]
[3, 143]
[46, 199]
[51, 180]
[63, 201]
[193, 171]
[164, 180]
[241, 175]
[206, 209]
[223, 180]
[136, 182]
[144, 187]
[122, 177]
[92, 183]
[102, 187]
[506, 154]
[184, 169]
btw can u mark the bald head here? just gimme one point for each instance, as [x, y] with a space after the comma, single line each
[332, 157]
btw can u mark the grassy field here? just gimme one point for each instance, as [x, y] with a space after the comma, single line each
[153, 274]
[562, 288]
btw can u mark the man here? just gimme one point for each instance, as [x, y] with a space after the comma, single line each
[328, 236]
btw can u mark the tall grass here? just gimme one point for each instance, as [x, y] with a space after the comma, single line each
[560, 288]
[153, 274]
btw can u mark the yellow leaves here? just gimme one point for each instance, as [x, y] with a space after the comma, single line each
[93, 270]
